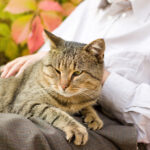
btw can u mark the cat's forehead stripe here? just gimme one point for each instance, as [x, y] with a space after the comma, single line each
[67, 62]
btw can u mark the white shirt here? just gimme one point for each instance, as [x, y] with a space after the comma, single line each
[126, 31]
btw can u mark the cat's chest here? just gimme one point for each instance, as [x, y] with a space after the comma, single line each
[72, 108]
[70, 105]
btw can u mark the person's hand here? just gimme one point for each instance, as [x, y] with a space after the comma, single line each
[17, 66]
[105, 76]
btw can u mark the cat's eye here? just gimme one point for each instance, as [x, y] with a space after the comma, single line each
[77, 73]
[57, 71]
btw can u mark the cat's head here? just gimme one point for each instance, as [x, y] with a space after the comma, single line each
[73, 68]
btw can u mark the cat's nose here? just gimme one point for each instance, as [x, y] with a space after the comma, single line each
[64, 86]
[64, 81]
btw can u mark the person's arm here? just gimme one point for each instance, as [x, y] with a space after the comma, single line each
[129, 102]
[17, 66]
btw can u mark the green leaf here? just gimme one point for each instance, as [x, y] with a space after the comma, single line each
[11, 50]
[9, 47]
[21, 6]
[25, 52]
[6, 16]
[3, 43]
[3, 3]
[62, 1]
[4, 30]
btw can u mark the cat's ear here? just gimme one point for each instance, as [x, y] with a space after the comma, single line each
[96, 48]
[54, 40]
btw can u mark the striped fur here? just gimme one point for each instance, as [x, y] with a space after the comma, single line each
[66, 81]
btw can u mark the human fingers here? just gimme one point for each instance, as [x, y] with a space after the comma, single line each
[7, 67]
[10, 68]
[9, 64]
[15, 68]
[24, 66]
[2, 68]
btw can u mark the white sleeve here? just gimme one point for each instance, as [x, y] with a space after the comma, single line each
[129, 102]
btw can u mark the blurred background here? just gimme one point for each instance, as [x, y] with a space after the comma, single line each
[22, 23]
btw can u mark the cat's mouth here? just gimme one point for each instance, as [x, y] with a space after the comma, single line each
[68, 93]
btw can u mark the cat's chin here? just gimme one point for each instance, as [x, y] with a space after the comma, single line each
[65, 94]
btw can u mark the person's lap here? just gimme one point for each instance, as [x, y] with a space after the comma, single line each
[18, 133]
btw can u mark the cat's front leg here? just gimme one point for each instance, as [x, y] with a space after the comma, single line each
[57, 118]
[91, 118]
[69, 125]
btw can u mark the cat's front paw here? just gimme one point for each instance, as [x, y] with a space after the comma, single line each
[77, 133]
[93, 122]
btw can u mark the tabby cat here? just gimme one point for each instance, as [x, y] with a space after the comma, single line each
[66, 81]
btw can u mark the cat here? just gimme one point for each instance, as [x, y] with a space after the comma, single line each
[66, 81]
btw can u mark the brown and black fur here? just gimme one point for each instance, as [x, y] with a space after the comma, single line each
[66, 81]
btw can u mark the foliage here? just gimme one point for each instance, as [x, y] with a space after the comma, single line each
[22, 23]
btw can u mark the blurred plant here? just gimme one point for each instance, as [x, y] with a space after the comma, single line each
[8, 48]
[22, 23]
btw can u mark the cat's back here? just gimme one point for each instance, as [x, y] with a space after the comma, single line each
[7, 84]
[11, 87]
[8, 89]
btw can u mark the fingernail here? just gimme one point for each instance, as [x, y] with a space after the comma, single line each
[2, 76]
[17, 75]
[7, 76]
